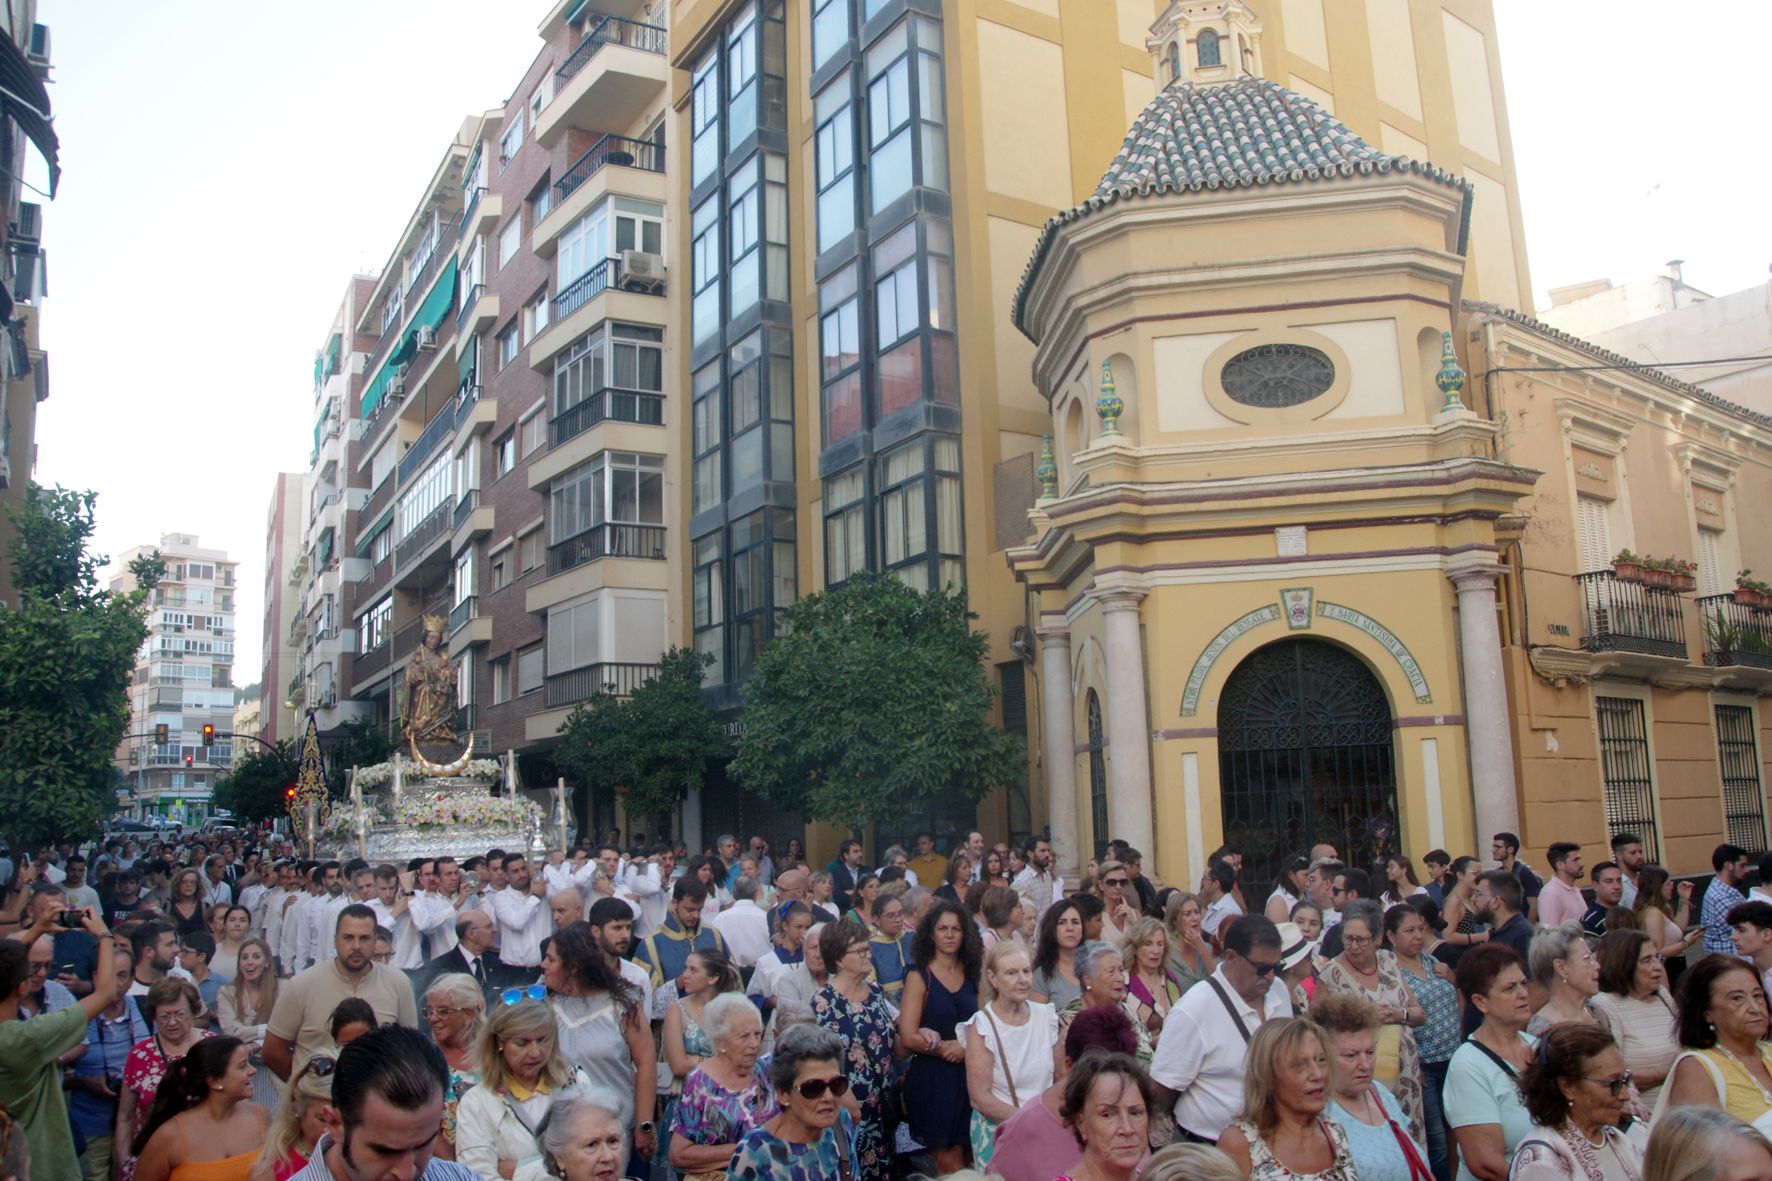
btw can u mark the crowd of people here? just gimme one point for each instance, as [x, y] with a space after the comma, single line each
[217, 1008]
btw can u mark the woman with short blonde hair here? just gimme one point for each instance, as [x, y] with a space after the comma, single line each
[1284, 1132]
[1705, 1144]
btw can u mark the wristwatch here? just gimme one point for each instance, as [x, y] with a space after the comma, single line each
[646, 1128]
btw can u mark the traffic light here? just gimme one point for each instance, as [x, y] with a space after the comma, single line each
[289, 794]
[208, 735]
[162, 734]
[190, 760]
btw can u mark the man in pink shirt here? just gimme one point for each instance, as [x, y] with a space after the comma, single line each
[1561, 901]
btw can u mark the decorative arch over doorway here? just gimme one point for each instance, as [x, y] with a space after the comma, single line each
[1305, 755]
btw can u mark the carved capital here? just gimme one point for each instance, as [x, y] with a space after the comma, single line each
[1119, 598]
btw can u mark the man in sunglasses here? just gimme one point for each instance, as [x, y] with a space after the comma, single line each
[1201, 1056]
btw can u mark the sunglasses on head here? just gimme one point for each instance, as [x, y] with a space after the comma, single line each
[535, 992]
[814, 1088]
[321, 1065]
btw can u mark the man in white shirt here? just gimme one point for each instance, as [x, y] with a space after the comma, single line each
[744, 925]
[1627, 850]
[293, 930]
[1038, 886]
[649, 883]
[320, 915]
[1216, 888]
[216, 890]
[80, 895]
[975, 851]
[608, 880]
[561, 874]
[1204, 1049]
[523, 920]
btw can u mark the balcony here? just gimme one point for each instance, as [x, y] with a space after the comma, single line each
[369, 663]
[462, 612]
[615, 164]
[297, 684]
[1632, 621]
[478, 311]
[483, 212]
[413, 292]
[580, 684]
[465, 504]
[603, 405]
[613, 540]
[1737, 641]
[614, 74]
[436, 432]
[583, 289]
[611, 149]
[605, 292]
[411, 551]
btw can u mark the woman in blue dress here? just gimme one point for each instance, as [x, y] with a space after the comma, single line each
[940, 994]
[856, 1010]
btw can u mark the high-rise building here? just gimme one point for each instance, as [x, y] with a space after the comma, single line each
[284, 523]
[184, 679]
[24, 368]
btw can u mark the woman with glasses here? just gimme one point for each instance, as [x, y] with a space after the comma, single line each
[1120, 911]
[1634, 1006]
[97, 1075]
[890, 946]
[856, 1010]
[1365, 969]
[1564, 966]
[813, 1136]
[726, 1096]
[1407, 931]
[940, 995]
[1725, 1061]
[1483, 1106]
[602, 1029]
[498, 1122]
[298, 1122]
[172, 1008]
[186, 907]
[454, 1009]
[1576, 1089]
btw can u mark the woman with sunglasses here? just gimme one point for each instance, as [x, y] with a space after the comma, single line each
[602, 1028]
[1575, 1090]
[455, 1009]
[856, 1010]
[498, 1122]
[813, 1135]
[298, 1123]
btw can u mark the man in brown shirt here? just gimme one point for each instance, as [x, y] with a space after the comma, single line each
[300, 1025]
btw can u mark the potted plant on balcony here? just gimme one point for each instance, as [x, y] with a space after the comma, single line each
[1627, 567]
[1683, 573]
[1657, 574]
[1750, 591]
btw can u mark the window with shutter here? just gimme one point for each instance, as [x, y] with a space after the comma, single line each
[1593, 527]
[1710, 562]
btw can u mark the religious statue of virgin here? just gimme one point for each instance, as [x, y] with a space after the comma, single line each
[430, 691]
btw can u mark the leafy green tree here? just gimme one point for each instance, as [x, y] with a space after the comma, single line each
[872, 702]
[67, 648]
[253, 787]
[364, 744]
[655, 745]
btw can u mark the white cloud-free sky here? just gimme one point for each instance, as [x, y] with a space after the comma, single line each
[228, 165]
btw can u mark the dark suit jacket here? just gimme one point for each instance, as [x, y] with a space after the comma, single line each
[499, 975]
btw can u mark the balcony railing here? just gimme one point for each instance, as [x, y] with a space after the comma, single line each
[465, 504]
[1735, 634]
[1622, 616]
[611, 149]
[612, 30]
[473, 203]
[462, 612]
[441, 426]
[580, 684]
[613, 540]
[373, 661]
[295, 683]
[605, 404]
[435, 525]
[467, 305]
[583, 289]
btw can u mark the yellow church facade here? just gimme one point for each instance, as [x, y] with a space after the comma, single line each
[1288, 556]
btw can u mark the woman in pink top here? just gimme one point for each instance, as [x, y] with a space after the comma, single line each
[1032, 1142]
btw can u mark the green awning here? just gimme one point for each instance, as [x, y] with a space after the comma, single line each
[323, 548]
[332, 349]
[319, 369]
[382, 524]
[431, 313]
[469, 358]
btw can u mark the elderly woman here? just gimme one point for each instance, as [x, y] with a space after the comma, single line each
[1055, 953]
[1564, 966]
[1704, 1144]
[856, 1010]
[812, 1136]
[1107, 1105]
[1364, 968]
[726, 1096]
[1012, 1046]
[1030, 1144]
[1634, 1006]
[1101, 970]
[1408, 930]
[454, 1009]
[585, 1137]
[518, 1057]
[1191, 1162]
[1575, 1090]
[1724, 1061]
[1149, 991]
[940, 995]
[1368, 1113]
[172, 1008]
[1284, 1133]
[1190, 952]
[1483, 1106]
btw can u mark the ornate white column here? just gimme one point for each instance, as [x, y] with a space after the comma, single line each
[1058, 740]
[1128, 723]
[1486, 727]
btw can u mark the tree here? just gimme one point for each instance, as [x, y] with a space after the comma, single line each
[873, 702]
[654, 745]
[364, 745]
[67, 649]
[253, 787]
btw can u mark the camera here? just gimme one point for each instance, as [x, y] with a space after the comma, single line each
[73, 919]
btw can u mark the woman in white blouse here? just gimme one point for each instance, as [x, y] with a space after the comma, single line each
[497, 1123]
[1013, 1051]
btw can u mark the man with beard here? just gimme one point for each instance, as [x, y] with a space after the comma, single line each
[321, 914]
[523, 918]
[301, 1022]
[1036, 884]
[614, 933]
[1627, 850]
[155, 947]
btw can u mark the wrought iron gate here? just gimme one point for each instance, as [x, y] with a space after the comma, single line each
[1305, 755]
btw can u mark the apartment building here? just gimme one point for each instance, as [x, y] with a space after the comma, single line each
[285, 521]
[24, 368]
[184, 679]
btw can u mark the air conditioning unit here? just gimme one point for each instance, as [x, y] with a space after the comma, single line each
[29, 227]
[427, 338]
[397, 385]
[642, 270]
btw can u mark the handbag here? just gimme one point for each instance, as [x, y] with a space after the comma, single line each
[1003, 1054]
[1418, 1170]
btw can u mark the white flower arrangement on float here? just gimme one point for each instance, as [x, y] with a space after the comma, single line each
[437, 810]
[382, 774]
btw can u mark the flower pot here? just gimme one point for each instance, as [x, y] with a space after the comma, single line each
[1627, 571]
[1657, 577]
[1748, 597]
[1685, 582]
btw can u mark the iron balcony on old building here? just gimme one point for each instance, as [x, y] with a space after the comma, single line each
[1631, 617]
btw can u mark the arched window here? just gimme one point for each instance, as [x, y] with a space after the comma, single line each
[1174, 61]
[1098, 809]
[1206, 45]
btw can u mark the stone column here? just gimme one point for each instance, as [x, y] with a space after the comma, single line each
[1058, 742]
[1128, 723]
[1486, 727]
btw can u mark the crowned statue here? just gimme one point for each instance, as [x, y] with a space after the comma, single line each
[431, 703]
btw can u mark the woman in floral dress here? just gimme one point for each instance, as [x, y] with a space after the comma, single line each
[856, 1011]
[726, 1096]
[172, 1005]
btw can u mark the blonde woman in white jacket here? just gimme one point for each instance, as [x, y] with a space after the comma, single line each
[521, 1071]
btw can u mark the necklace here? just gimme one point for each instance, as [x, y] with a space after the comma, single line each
[1765, 1097]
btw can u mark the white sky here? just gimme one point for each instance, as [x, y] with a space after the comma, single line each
[227, 166]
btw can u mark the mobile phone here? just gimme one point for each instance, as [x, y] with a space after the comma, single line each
[73, 918]
[63, 970]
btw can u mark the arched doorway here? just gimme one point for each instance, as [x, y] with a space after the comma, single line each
[1305, 755]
